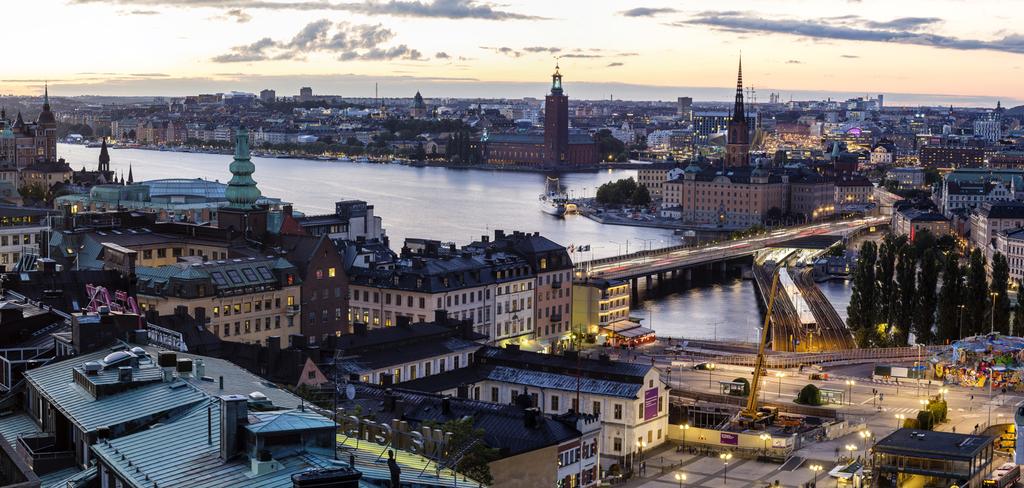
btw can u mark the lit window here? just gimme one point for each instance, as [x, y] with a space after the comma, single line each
[331, 272]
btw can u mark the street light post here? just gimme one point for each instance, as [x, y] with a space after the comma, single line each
[851, 448]
[711, 366]
[849, 387]
[680, 477]
[899, 420]
[780, 375]
[725, 457]
[685, 427]
[993, 313]
[816, 468]
[962, 320]
[765, 437]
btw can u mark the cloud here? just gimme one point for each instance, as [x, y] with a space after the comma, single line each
[344, 40]
[614, 65]
[904, 23]
[503, 50]
[849, 56]
[445, 9]
[441, 55]
[143, 12]
[794, 61]
[579, 53]
[647, 12]
[850, 28]
[150, 75]
[238, 15]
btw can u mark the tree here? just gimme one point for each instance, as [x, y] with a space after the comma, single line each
[1000, 319]
[809, 395]
[887, 298]
[949, 299]
[641, 196]
[618, 192]
[906, 274]
[977, 294]
[608, 147]
[1018, 314]
[746, 386]
[475, 462]
[927, 281]
[861, 311]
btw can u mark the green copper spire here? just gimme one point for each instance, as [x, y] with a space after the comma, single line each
[242, 191]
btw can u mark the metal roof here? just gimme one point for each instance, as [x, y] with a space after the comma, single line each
[11, 426]
[564, 382]
[287, 421]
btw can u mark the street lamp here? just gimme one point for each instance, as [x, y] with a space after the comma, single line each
[685, 427]
[816, 468]
[711, 367]
[725, 457]
[899, 420]
[640, 452]
[851, 448]
[962, 320]
[942, 393]
[680, 477]
[780, 375]
[849, 387]
[866, 435]
[765, 437]
[993, 314]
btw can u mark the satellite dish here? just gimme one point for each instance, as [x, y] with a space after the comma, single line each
[350, 392]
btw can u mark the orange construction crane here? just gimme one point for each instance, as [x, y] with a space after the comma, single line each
[751, 413]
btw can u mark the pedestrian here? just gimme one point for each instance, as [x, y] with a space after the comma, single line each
[394, 469]
[954, 429]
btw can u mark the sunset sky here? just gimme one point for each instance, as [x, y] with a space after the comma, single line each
[914, 51]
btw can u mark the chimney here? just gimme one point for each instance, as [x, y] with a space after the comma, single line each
[359, 328]
[403, 321]
[167, 359]
[499, 234]
[287, 210]
[463, 391]
[200, 314]
[181, 311]
[297, 341]
[124, 374]
[446, 406]
[184, 367]
[531, 417]
[200, 368]
[440, 316]
[233, 412]
[152, 315]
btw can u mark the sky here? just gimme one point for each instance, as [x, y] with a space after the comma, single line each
[961, 52]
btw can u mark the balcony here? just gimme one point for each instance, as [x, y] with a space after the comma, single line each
[41, 453]
[292, 310]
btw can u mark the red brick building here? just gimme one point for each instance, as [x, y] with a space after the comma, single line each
[556, 147]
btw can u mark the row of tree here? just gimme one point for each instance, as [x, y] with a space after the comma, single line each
[896, 292]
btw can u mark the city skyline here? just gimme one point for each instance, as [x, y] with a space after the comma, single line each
[796, 48]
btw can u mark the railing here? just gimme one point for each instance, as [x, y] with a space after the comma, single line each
[792, 360]
[292, 310]
[39, 452]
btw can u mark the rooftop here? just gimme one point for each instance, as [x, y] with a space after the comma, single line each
[933, 444]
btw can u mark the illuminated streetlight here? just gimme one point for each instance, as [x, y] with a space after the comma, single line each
[866, 435]
[899, 420]
[816, 468]
[765, 437]
[725, 457]
[849, 387]
[780, 375]
[993, 313]
[943, 392]
[711, 367]
[684, 427]
[680, 477]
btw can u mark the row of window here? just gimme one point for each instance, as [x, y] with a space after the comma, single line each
[246, 326]
[249, 307]
[18, 240]
[411, 370]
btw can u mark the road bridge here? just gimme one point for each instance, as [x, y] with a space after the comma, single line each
[679, 261]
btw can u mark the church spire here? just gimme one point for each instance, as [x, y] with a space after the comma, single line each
[46, 96]
[131, 179]
[104, 157]
[242, 191]
[738, 111]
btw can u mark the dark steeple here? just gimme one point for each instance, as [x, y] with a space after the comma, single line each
[104, 157]
[46, 117]
[131, 179]
[738, 112]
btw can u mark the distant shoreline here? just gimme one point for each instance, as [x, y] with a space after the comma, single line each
[424, 164]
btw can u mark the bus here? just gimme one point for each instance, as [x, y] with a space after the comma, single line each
[1006, 475]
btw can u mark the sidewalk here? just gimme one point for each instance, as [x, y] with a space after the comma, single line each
[710, 472]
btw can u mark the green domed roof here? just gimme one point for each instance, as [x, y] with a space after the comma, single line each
[241, 190]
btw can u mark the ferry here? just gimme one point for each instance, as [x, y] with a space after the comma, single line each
[552, 203]
[362, 159]
[554, 200]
